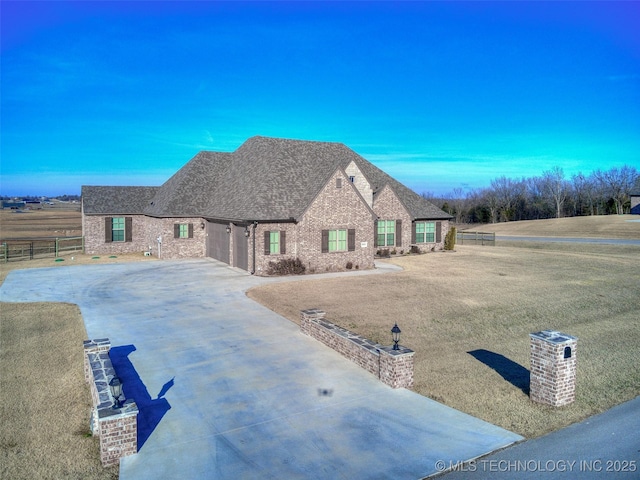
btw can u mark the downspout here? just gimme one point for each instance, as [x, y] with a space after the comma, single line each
[255, 226]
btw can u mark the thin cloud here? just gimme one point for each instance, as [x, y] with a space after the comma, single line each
[623, 78]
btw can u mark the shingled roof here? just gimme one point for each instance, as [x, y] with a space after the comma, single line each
[265, 179]
[269, 179]
[101, 200]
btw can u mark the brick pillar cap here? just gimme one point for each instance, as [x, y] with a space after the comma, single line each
[397, 353]
[553, 336]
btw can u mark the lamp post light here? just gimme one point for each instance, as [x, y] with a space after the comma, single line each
[116, 391]
[395, 331]
[228, 229]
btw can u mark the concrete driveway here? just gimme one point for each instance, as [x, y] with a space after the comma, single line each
[228, 389]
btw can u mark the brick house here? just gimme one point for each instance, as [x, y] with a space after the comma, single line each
[269, 200]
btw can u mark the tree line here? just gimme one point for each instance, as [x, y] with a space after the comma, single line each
[546, 196]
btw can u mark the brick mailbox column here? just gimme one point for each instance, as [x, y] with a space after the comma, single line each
[553, 368]
[116, 427]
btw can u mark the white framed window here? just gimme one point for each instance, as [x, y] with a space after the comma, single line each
[117, 229]
[386, 234]
[425, 232]
[338, 240]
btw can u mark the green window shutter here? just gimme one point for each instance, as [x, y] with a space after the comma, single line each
[351, 239]
[191, 230]
[128, 229]
[413, 233]
[438, 232]
[325, 241]
[283, 237]
[267, 243]
[375, 233]
[176, 230]
[108, 226]
[398, 233]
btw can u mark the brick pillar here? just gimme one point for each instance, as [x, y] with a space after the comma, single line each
[306, 316]
[553, 368]
[118, 433]
[116, 427]
[396, 367]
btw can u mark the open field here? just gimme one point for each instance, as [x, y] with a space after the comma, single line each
[60, 220]
[468, 315]
[597, 226]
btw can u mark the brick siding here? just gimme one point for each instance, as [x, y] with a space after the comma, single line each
[387, 206]
[145, 233]
[333, 208]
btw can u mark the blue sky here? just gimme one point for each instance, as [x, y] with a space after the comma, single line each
[440, 95]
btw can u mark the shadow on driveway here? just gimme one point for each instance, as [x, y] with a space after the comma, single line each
[150, 411]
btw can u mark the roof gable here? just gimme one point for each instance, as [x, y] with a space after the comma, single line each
[104, 200]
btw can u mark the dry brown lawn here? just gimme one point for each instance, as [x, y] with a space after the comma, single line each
[44, 401]
[482, 302]
[597, 226]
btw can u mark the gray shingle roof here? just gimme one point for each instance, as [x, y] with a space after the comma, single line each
[116, 200]
[268, 179]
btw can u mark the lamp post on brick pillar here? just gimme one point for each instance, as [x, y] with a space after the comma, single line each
[116, 391]
[395, 332]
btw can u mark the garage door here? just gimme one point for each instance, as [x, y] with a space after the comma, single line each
[218, 241]
[240, 248]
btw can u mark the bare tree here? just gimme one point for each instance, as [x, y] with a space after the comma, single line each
[556, 187]
[506, 191]
[457, 201]
[584, 192]
[617, 183]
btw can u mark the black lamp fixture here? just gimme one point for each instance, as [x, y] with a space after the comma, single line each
[247, 232]
[202, 225]
[228, 229]
[395, 331]
[116, 391]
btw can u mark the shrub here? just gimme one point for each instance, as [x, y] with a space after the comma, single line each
[450, 239]
[415, 249]
[383, 252]
[286, 266]
[349, 265]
